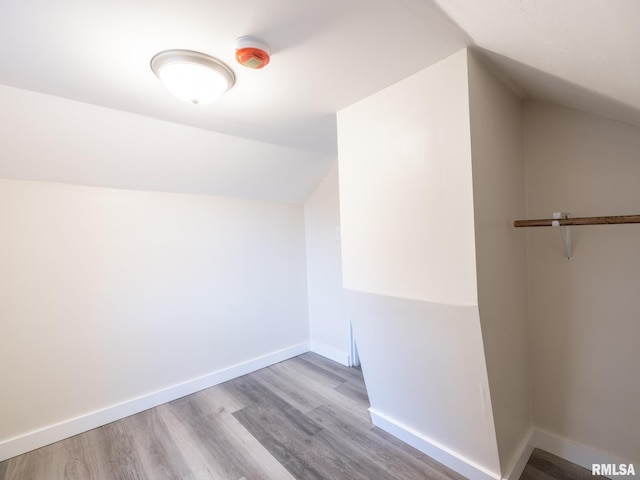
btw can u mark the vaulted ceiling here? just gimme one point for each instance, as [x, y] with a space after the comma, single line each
[583, 54]
[325, 56]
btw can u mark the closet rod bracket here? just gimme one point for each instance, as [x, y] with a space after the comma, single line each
[565, 232]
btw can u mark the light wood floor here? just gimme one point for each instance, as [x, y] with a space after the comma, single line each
[304, 418]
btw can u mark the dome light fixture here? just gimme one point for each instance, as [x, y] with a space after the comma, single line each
[192, 76]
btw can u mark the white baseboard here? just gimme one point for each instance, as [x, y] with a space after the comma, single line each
[343, 358]
[438, 452]
[521, 457]
[536, 438]
[575, 452]
[562, 447]
[73, 426]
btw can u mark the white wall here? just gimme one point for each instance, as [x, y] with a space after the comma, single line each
[406, 204]
[499, 199]
[583, 315]
[405, 156]
[108, 295]
[328, 317]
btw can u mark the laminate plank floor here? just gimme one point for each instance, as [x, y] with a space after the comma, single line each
[305, 418]
[546, 466]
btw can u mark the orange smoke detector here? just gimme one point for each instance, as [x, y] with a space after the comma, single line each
[252, 52]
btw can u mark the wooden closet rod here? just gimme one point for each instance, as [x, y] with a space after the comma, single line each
[562, 222]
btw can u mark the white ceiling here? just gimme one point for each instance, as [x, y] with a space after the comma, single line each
[583, 54]
[325, 56]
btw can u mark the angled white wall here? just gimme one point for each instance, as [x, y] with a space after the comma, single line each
[499, 198]
[328, 318]
[56, 139]
[406, 204]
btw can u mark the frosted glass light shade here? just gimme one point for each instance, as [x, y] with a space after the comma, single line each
[192, 76]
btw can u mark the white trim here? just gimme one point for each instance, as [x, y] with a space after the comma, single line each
[430, 447]
[355, 357]
[331, 353]
[521, 457]
[39, 438]
[573, 451]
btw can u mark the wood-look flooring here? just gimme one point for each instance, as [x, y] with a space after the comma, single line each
[305, 418]
[545, 466]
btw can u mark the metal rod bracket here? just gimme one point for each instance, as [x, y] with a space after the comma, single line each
[565, 232]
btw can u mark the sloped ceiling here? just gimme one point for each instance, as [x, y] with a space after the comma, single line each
[325, 56]
[583, 54]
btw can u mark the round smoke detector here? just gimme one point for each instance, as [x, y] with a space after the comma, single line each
[252, 52]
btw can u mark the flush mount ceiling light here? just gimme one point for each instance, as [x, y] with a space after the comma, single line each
[192, 76]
